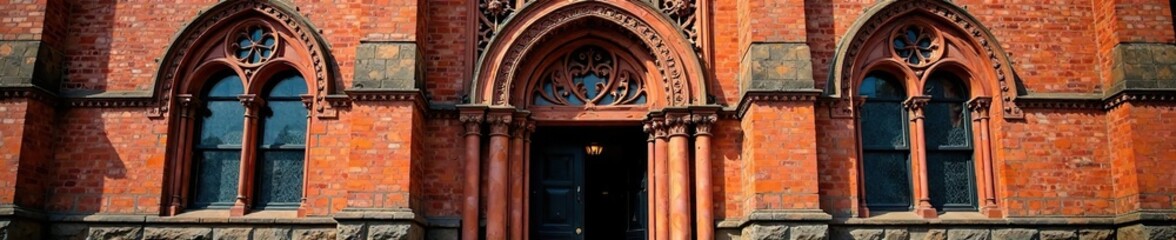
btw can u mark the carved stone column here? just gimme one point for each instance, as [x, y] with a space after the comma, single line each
[472, 121]
[515, 169]
[252, 105]
[914, 106]
[680, 210]
[182, 157]
[527, 179]
[661, 178]
[496, 199]
[703, 188]
[979, 107]
[308, 103]
[650, 182]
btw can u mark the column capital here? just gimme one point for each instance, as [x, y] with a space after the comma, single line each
[915, 105]
[979, 107]
[251, 102]
[677, 123]
[472, 123]
[703, 122]
[499, 123]
[186, 104]
[519, 124]
[647, 127]
[528, 130]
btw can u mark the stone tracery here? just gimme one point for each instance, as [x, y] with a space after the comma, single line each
[589, 76]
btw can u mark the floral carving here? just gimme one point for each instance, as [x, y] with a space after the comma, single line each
[253, 44]
[589, 76]
[917, 45]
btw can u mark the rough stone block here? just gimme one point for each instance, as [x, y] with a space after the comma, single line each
[271, 233]
[866, 234]
[1058, 235]
[234, 234]
[390, 232]
[765, 231]
[1096, 234]
[125, 232]
[352, 231]
[1143, 66]
[313, 234]
[177, 233]
[1014, 234]
[967, 234]
[810, 232]
[777, 67]
[387, 65]
[897, 234]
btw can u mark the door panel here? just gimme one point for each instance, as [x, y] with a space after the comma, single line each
[557, 193]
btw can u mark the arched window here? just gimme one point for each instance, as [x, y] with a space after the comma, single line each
[950, 172]
[283, 144]
[217, 149]
[885, 143]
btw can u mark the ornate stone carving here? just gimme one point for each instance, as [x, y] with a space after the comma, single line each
[949, 14]
[703, 123]
[916, 44]
[682, 12]
[492, 16]
[673, 74]
[472, 123]
[979, 107]
[169, 73]
[251, 103]
[677, 124]
[589, 76]
[915, 104]
[499, 124]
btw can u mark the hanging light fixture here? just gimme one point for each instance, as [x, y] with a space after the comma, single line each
[594, 149]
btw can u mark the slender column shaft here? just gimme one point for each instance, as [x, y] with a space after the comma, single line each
[527, 180]
[496, 201]
[662, 194]
[469, 211]
[650, 183]
[979, 107]
[915, 106]
[516, 179]
[245, 173]
[181, 156]
[703, 190]
[680, 209]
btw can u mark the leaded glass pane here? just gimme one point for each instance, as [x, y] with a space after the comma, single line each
[228, 86]
[887, 176]
[881, 86]
[279, 178]
[215, 174]
[883, 126]
[950, 180]
[290, 85]
[947, 126]
[222, 123]
[284, 124]
[946, 88]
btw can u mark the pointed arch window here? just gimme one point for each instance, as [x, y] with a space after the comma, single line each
[950, 172]
[283, 143]
[217, 152]
[885, 143]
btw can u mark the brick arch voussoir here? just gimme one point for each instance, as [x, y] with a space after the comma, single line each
[676, 60]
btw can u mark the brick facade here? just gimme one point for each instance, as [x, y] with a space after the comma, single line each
[1082, 125]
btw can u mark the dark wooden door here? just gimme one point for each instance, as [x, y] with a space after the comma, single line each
[557, 194]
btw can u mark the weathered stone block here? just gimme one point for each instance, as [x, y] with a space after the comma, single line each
[866, 234]
[1014, 234]
[271, 233]
[1096, 234]
[1058, 235]
[177, 233]
[313, 234]
[967, 234]
[352, 231]
[935, 234]
[112, 233]
[234, 234]
[810, 232]
[1143, 66]
[390, 232]
[765, 231]
[387, 65]
[776, 67]
[897, 234]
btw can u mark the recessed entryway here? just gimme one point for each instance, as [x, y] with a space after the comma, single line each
[588, 182]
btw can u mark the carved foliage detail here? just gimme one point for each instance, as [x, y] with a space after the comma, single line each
[589, 76]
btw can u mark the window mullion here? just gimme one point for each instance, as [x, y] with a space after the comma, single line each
[252, 105]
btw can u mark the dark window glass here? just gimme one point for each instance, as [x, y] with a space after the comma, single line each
[217, 153]
[885, 148]
[950, 174]
[282, 146]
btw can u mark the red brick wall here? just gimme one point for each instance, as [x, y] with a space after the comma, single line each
[1143, 144]
[328, 152]
[727, 164]
[443, 176]
[26, 142]
[108, 160]
[837, 164]
[780, 170]
[380, 160]
[1055, 163]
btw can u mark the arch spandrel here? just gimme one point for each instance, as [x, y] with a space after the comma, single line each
[498, 70]
[976, 51]
[202, 41]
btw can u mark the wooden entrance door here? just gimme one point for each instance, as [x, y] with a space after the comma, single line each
[557, 196]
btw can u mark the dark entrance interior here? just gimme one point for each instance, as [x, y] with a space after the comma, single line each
[577, 194]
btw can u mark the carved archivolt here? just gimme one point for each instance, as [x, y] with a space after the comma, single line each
[494, 14]
[920, 45]
[252, 44]
[668, 62]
